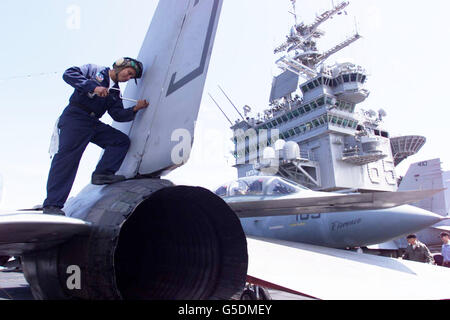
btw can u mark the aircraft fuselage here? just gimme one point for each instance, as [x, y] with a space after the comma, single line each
[342, 229]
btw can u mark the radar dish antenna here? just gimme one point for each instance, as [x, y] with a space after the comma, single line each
[381, 114]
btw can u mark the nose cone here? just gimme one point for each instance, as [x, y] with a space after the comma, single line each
[398, 221]
[364, 228]
[415, 218]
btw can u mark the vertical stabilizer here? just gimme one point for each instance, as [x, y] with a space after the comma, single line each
[176, 53]
[427, 175]
[447, 191]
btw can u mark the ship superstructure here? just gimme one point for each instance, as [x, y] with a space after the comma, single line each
[340, 147]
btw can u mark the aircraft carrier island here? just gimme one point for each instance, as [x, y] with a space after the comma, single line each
[315, 105]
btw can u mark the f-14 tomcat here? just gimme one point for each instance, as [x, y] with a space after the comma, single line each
[281, 209]
[145, 238]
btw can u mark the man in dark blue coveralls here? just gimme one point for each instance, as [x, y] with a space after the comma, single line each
[79, 124]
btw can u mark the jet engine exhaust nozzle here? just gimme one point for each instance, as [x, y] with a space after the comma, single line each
[150, 240]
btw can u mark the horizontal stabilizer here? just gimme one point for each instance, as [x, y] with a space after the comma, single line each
[24, 232]
[327, 204]
[332, 274]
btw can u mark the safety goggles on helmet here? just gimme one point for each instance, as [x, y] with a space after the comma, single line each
[127, 62]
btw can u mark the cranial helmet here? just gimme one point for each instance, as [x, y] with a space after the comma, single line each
[127, 62]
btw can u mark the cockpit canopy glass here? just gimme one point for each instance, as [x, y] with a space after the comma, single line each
[259, 186]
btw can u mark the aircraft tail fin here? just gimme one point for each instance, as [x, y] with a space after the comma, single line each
[176, 53]
[427, 175]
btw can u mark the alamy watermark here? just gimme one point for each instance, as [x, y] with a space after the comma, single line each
[248, 146]
[74, 280]
[73, 21]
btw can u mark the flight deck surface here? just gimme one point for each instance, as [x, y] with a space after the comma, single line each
[13, 286]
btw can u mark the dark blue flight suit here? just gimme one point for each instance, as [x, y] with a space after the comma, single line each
[79, 124]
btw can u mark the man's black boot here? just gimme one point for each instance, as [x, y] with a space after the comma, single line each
[100, 179]
[54, 211]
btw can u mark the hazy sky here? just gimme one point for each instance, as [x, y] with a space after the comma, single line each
[405, 50]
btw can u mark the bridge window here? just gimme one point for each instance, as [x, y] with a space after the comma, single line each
[346, 78]
[307, 108]
[322, 122]
[305, 89]
[321, 101]
[297, 130]
[279, 121]
[353, 77]
[311, 85]
[302, 128]
[307, 127]
[334, 119]
[329, 101]
[363, 79]
[290, 116]
[285, 118]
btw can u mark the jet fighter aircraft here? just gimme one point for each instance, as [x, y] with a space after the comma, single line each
[285, 210]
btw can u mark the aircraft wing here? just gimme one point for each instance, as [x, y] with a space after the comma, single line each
[23, 232]
[327, 204]
[332, 274]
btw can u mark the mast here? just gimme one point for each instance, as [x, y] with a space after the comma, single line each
[303, 42]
